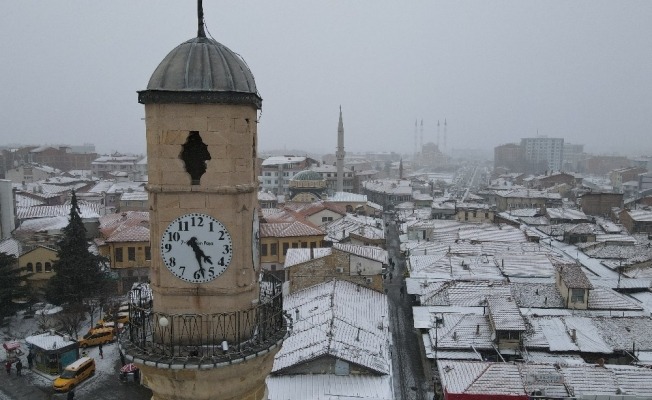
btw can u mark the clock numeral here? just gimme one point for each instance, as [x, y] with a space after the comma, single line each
[174, 236]
[227, 249]
[172, 261]
[211, 272]
[210, 226]
[221, 262]
[221, 235]
[168, 247]
[198, 222]
[183, 270]
[197, 275]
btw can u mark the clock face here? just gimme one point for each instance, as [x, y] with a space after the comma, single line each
[196, 248]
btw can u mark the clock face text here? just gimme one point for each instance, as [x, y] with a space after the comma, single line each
[196, 248]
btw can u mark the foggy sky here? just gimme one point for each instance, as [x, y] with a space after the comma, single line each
[497, 71]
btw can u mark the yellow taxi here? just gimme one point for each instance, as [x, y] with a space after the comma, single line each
[74, 374]
[97, 336]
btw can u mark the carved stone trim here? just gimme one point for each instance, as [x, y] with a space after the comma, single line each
[168, 96]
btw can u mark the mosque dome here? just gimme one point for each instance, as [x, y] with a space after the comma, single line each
[201, 70]
[307, 175]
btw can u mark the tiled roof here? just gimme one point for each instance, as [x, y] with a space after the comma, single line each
[481, 378]
[43, 224]
[606, 299]
[86, 210]
[367, 227]
[289, 229]
[299, 256]
[130, 226]
[346, 197]
[461, 293]
[339, 319]
[574, 277]
[370, 252]
[640, 215]
[11, 246]
[505, 314]
[566, 213]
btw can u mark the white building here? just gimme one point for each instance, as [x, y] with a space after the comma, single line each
[544, 149]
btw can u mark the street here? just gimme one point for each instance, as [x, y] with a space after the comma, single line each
[410, 381]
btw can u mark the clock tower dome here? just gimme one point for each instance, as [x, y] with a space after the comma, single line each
[215, 322]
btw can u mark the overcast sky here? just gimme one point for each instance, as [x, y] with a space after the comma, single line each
[497, 71]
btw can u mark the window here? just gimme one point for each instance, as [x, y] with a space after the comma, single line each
[326, 219]
[39, 267]
[118, 254]
[131, 253]
[577, 295]
[285, 248]
[48, 267]
[304, 245]
[263, 249]
[148, 253]
[295, 245]
[272, 249]
[30, 267]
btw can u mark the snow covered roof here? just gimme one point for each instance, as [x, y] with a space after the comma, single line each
[289, 229]
[574, 277]
[453, 267]
[505, 314]
[458, 293]
[279, 160]
[566, 214]
[337, 319]
[640, 215]
[49, 341]
[86, 211]
[370, 252]
[134, 196]
[480, 378]
[346, 197]
[299, 256]
[11, 246]
[329, 387]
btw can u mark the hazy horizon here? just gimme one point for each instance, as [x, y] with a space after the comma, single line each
[495, 71]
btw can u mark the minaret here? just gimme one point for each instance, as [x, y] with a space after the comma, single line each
[445, 126]
[339, 155]
[400, 169]
[421, 132]
[210, 332]
[415, 140]
[438, 134]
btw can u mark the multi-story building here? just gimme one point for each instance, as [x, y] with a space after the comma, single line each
[619, 176]
[543, 152]
[509, 156]
[573, 155]
[277, 171]
[125, 242]
[329, 174]
[108, 167]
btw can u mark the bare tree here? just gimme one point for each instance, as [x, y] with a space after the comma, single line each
[71, 319]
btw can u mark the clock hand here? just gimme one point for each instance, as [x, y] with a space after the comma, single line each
[199, 254]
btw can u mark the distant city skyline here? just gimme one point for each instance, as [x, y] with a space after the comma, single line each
[495, 71]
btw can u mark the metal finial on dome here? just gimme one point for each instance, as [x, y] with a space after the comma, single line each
[200, 19]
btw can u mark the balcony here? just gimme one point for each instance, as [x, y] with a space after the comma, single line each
[205, 341]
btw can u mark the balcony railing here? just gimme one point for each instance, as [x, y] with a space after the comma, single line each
[206, 340]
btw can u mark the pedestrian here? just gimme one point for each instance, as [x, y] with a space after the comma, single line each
[19, 367]
[71, 394]
[402, 291]
[390, 276]
[8, 367]
[101, 352]
[30, 360]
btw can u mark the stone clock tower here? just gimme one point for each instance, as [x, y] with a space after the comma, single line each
[214, 322]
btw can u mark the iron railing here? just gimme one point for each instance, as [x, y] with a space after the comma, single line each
[205, 339]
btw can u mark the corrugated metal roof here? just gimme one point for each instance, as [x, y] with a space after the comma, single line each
[329, 387]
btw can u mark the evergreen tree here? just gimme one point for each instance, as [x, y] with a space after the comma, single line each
[13, 286]
[78, 271]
